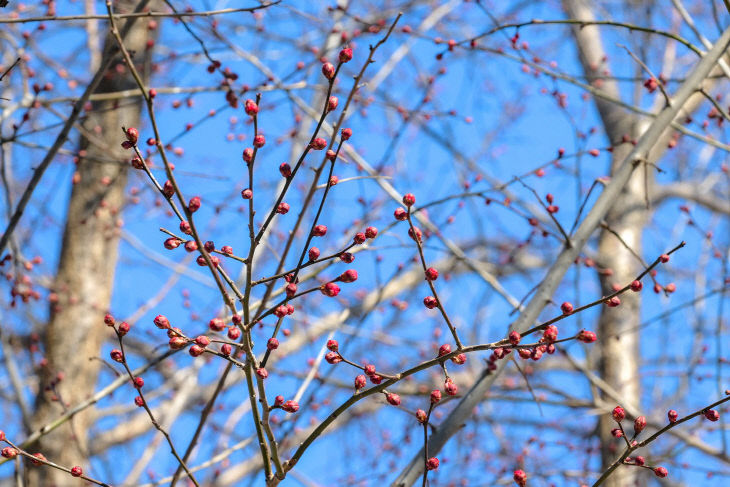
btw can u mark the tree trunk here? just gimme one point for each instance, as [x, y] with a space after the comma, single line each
[618, 329]
[76, 330]
[618, 343]
[618, 332]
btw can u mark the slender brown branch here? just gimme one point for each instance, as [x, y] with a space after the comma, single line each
[42, 461]
[146, 407]
[439, 305]
[629, 449]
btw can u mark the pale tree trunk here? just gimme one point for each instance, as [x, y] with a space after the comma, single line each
[620, 243]
[76, 330]
[618, 343]
[618, 328]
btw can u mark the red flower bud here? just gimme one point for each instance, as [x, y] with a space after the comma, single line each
[280, 311]
[162, 322]
[431, 274]
[123, 328]
[330, 289]
[618, 414]
[216, 324]
[250, 107]
[459, 359]
[9, 452]
[40, 456]
[318, 144]
[393, 399]
[371, 232]
[132, 135]
[291, 289]
[196, 350]
[639, 425]
[550, 334]
[586, 336]
[290, 406]
[285, 170]
[333, 358]
[712, 415]
[520, 478]
[350, 275]
[186, 228]
[194, 204]
[328, 70]
[345, 55]
[450, 388]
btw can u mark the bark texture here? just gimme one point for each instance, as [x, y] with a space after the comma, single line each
[76, 331]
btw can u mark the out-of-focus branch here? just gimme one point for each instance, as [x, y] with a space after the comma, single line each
[71, 412]
[699, 193]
